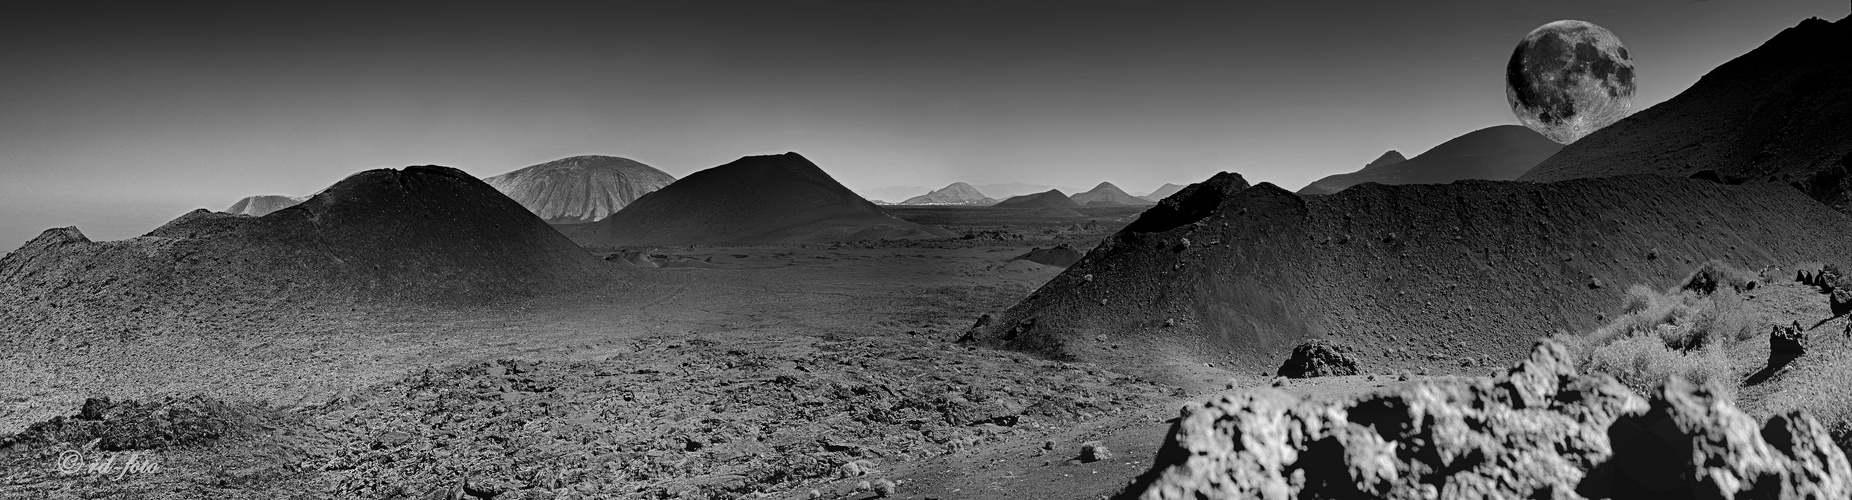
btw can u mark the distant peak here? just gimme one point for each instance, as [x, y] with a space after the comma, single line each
[1390, 158]
[1105, 185]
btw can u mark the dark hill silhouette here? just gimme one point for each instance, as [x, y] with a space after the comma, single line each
[1106, 194]
[1162, 191]
[1472, 270]
[263, 204]
[423, 234]
[1498, 153]
[753, 200]
[1782, 111]
[958, 193]
[580, 188]
[1052, 198]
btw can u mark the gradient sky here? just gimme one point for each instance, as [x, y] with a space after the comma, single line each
[118, 118]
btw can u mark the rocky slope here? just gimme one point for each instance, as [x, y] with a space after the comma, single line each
[263, 204]
[1106, 194]
[1537, 430]
[1420, 277]
[1782, 111]
[1498, 153]
[1052, 198]
[751, 201]
[1162, 192]
[420, 234]
[580, 188]
[958, 193]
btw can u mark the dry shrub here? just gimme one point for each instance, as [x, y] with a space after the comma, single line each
[1644, 362]
[1681, 332]
[1715, 275]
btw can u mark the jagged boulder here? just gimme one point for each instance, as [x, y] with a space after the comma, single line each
[1840, 300]
[1540, 430]
[1785, 344]
[1318, 358]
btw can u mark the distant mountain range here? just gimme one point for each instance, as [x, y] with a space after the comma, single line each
[751, 201]
[1163, 192]
[580, 188]
[1106, 194]
[958, 193]
[1499, 153]
[1052, 198]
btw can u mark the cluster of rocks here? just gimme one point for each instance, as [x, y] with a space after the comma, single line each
[1318, 358]
[1540, 430]
[690, 419]
[1835, 283]
[136, 425]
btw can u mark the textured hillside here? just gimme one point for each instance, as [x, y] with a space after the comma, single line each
[751, 201]
[1472, 270]
[1106, 194]
[1782, 111]
[580, 188]
[420, 234]
[1498, 153]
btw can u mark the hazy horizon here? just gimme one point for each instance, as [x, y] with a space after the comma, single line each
[120, 119]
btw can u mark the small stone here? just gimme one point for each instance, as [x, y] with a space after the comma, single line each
[883, 488]
[1094, 451]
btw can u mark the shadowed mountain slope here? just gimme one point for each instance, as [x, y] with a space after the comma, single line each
[1225, 273]
[751, 201]
[1780, 112]
[1052, 198]
[422, 234]
[580, 188]
[1498, 153]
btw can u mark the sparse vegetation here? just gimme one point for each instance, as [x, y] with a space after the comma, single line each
[1682, 332]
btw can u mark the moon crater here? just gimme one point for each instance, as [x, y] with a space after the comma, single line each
[1569, 78]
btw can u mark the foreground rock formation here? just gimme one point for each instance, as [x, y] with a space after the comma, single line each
[1498, 153]
[1318, 358]
[580, 188]
[1539, 430]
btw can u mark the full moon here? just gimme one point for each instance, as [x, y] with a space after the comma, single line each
[1568, 79]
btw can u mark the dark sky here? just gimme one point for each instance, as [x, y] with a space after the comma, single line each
[116, 118]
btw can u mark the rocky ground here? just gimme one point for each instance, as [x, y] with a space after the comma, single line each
[766, 371]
